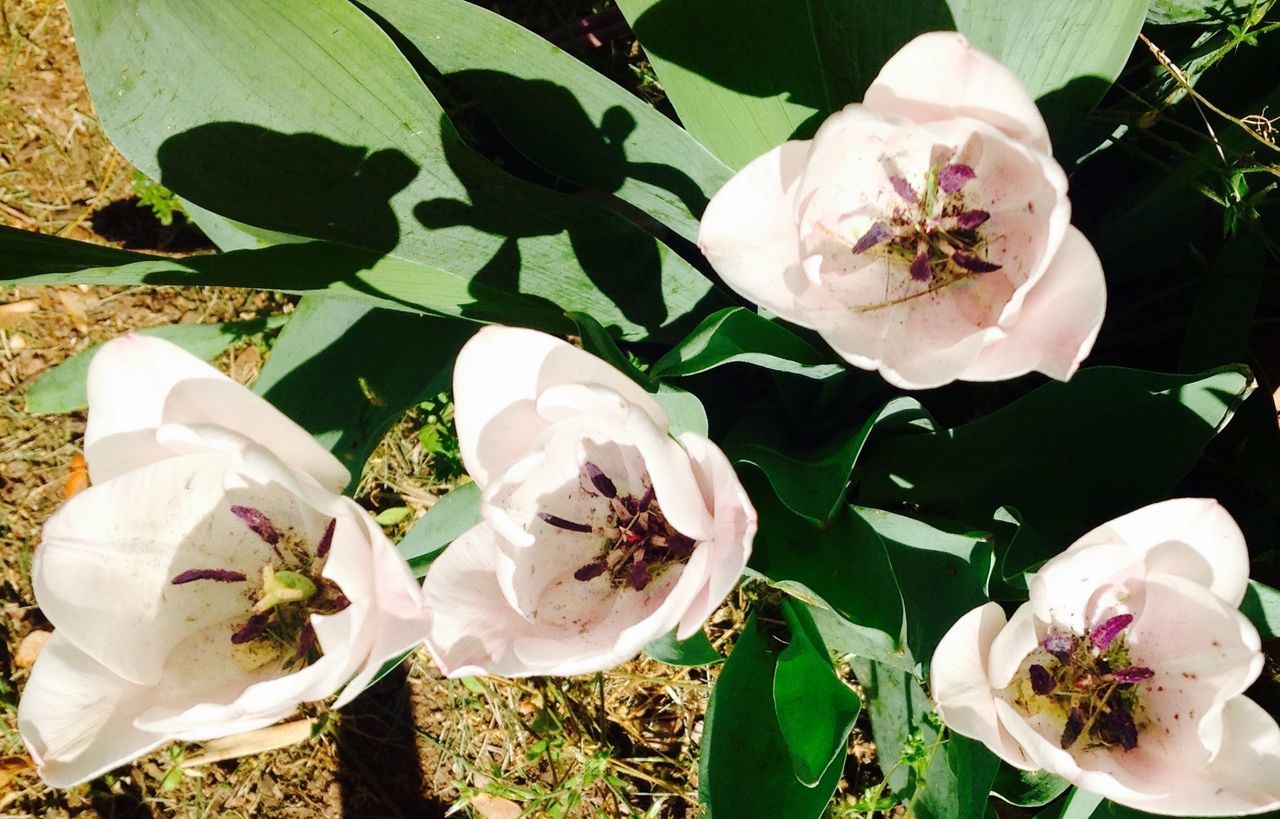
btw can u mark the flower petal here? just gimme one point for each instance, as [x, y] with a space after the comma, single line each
[940, 76]
[1193, 538]
[76, 716]
[749, 231]
[472, 626]
[1058, 322]
[136, 383]
[674, 484]
[497, 380]
[960, 687]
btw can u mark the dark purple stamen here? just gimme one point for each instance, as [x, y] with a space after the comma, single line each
[903, 188]
[252, 629]
[680, 546]
[1075, 724]
[600, 480]
[1133, 674]
[646, 499]
[223, 575]
[1118, 728]
[971, 219]
[878, 233]
[306, 641]
[326, 540]
[258, 522]
[1060, 645]
[561, 523]
[590, 571]
[953, 177]
[1041, 679]
[1105, 634]
[339, 603]
[920, 270]
[973, 263]
[639, 575]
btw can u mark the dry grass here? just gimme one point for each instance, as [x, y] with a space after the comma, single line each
[623, 743]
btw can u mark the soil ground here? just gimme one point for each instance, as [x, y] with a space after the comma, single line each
[618, 744]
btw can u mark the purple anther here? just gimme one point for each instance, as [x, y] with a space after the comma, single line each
[639, 577]
[1105, 634]
[590, 571]
[339, 603]
[561, 523]
[971, 219]
[1071, 732]
[972, 263]
[1133, 674]
[1041, 679]
[1060, 645]
[1118, 728]
[252, 629]
[222, 575]
[680, 546]
[878, 233]
[903, 188]
[920, 270]
[600, 480]
[258, 522]
[306, 642]
[953, 177]
[326, 540]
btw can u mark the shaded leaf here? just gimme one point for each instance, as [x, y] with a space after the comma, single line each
[447, 520]
[697, 650]
[738, 334]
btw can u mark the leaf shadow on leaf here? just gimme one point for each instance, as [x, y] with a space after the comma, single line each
[819, 53]
[600, 152]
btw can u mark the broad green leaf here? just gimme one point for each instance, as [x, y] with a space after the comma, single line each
[1261, 605]
[815, 709]
[812, 484]
[697, 650]
[1079, 804]
[842, 566]
[942, 776]
[743, 766]
[941, 574]
[597, 341]
[739, 334]
[809, 59]
[336, 138]
[62, 389]
[447, 520]
[1222, 315]
[683, 409]
[1209, 12]
[346, 372]
[604, 137]
[1117, 439]
[1027, 789]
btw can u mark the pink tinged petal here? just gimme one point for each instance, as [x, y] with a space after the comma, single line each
[735, 529]
[674, 484]
[1247, 771]
[749, 230]
[77, 717]
[1058, 322]
[499, 376]
[954, 177]
[137, 383]
[961, 689]
[1195, 538]
[472, 625]
[939, 76]
[1011, 646]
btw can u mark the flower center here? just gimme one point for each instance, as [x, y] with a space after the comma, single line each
[936, 234]
[1087, 682]
[639, 543]
[278, 628]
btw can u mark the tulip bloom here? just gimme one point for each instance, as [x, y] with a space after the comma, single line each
[924, 232]
[1124, 672]
[209, 581]
[600, 534]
